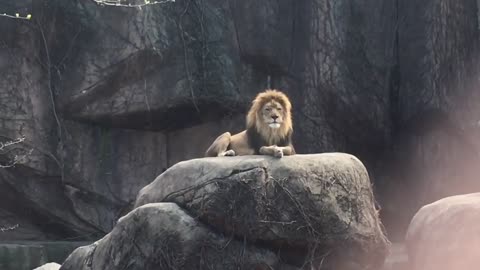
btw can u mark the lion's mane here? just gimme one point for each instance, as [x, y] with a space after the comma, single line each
[255, 121]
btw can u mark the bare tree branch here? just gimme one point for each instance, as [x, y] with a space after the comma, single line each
[17, 16]
[123, 3]
[12, 142]
[8, 228]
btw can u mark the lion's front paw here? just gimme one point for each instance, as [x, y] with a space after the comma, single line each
[229, 153]
[277, 152]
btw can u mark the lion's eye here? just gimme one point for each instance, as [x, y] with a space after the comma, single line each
[268, 109]
[279, 109]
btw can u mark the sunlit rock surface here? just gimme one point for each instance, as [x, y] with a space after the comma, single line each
[444, 235]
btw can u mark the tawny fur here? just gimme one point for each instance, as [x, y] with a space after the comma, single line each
[260, 137]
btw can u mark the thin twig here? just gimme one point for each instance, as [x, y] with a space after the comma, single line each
[49, 80]
[185, 57]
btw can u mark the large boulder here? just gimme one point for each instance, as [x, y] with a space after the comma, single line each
[163, 236]
[444, 235]
[308, 208]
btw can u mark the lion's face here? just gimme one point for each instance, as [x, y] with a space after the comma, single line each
[272, 114]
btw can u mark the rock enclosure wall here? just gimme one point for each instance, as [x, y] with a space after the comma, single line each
[109, 97]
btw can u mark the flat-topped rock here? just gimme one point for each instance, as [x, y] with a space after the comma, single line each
[307, 208]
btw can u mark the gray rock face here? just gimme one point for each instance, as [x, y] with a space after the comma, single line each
[106, 97]
[163, 236]
[444, 235]
[302, 206]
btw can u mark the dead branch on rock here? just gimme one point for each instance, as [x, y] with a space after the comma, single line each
[16, 159]
[6, 147]
[314, 258]
[303, 216]
[310, 258]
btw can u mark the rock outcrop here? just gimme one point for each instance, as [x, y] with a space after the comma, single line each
[444, 235]
[304, 207]
[163, 236]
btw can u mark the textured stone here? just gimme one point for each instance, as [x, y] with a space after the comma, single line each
[304, 205]
[163, 236]
[392, 82]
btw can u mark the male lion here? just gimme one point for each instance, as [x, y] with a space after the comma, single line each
[269, 130]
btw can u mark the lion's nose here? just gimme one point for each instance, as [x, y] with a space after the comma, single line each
[274, 117]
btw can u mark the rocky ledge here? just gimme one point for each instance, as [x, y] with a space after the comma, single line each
[250, 212]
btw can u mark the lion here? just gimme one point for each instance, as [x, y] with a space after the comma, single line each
[269, 130]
